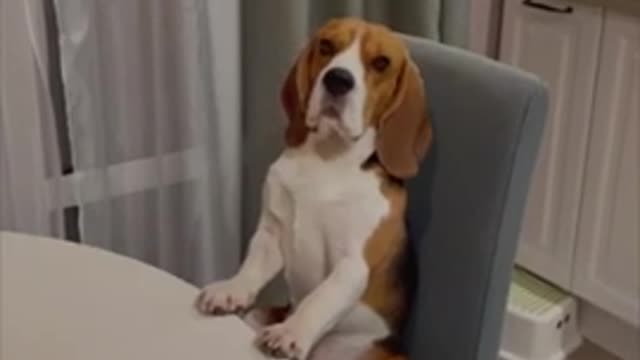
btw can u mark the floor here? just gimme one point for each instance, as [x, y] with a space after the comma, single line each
[589, 351]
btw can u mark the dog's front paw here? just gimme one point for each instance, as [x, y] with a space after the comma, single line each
[225, 297]
[282, 341]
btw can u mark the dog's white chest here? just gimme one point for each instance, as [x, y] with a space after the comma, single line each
[330, 210]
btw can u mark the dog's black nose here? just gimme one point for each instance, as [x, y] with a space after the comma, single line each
[338, 81]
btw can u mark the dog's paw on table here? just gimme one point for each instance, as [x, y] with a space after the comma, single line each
[283, 341]
[225, 297]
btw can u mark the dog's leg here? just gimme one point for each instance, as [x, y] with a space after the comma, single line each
[263, 262]
[319, 312]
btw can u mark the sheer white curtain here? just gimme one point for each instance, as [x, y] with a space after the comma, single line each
[152, 125]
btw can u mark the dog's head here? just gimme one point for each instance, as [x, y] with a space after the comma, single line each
[355, 76]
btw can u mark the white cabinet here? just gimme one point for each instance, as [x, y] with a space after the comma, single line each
[582, 224]
[607, 270]
[562, 48]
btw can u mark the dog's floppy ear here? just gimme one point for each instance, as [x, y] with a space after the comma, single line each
[294, 96]
[404, 131]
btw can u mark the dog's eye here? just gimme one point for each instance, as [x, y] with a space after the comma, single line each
[326, 47]
[380, 63]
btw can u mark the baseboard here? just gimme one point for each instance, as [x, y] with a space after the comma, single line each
[607, 331]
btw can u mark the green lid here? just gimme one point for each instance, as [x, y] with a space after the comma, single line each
[533, 295]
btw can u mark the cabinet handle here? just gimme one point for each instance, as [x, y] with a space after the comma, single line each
[565, 10]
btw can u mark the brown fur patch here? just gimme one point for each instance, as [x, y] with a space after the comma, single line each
[385, 293]
[380, 353]
[382, 86]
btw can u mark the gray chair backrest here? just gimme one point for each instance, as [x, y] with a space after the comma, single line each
[466, 205]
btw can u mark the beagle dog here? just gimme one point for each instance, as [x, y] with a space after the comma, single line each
[334, 201]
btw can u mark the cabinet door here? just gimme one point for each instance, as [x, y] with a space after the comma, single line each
[561, 47]
[608, 250]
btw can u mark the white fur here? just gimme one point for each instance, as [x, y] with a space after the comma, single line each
[352, 104]
[319, 208]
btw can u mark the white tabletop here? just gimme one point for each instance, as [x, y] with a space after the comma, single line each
[61, 301]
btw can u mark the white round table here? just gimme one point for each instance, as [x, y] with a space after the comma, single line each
[62, 301]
